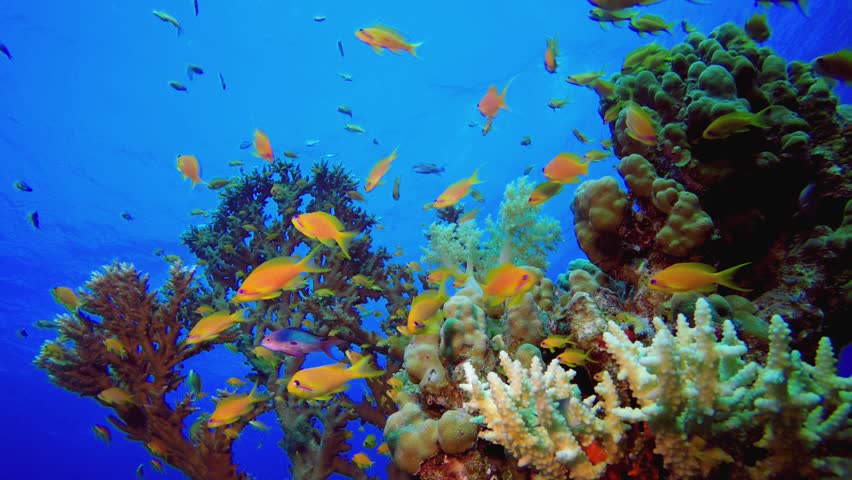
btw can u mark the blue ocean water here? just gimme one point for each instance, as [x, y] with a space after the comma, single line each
[89, 121]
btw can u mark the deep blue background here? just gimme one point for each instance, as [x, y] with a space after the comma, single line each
[88, 120]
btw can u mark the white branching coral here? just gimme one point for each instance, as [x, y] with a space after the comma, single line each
[541, 418]
[692, 389]
[521, 232]
[531, 235]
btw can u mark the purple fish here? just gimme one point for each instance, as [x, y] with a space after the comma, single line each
[297, 342]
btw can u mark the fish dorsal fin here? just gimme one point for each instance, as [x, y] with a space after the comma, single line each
[495, 272]
[276, 262]
[388, 29]
[703, 267]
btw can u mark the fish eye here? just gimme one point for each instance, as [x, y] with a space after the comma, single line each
[653, 282]
[296, 383]
[241, 291]
[294, 343]
[525, 277]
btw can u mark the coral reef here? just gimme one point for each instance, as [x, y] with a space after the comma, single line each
[125, 337]
[765, 193]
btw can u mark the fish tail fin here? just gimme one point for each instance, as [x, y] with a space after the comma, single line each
[240, 315]
[760, 119]
[362, 368]
[803, 6]
[327, 344]
[584, 168]
[503, 93]
[412, 48]
[309, 264]
[474, 179]
[726, 278]
[344, 240]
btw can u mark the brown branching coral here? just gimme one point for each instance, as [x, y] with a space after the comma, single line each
[119, 307]
[254, 224]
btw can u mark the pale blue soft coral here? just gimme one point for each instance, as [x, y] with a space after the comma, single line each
[521, 234]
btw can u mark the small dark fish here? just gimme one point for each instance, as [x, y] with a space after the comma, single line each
[196, 7]
[344, 109]
[23, 333]
[319, 18]
[177, 86]
[140, 471]
[33, 218]
[127, 216]
[526, 141]
[297, 342]
[5, 50]
[355, 195]
[217, 183]
[477, 195]
[340, 47]
[45, 324]
[529, 169]
[427, 168]
[396, 189]
[22, 186]
[193, 69]
[222, 81]
[375, 141]
[245, 144]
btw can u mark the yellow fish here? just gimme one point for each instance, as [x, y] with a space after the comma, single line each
[326, 228]
[555, 341]
[235, 382]
[362, 461]
[456, 191]
[507, 281]
[544, 192]
[380, 37]
[737, 122]
[379, 170]
[688, 277]
[65, 297]
[210, 326]
[640, 127]
[320, 383]
[425, 314]
[115, 396]
[584, 78]
[574, 357]
[274, 276]
[114, 345]
[230, 409]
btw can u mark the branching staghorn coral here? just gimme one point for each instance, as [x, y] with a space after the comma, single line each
[118, 305]
[242, 235]
[521, 235]
[540, 417]
[696, 392]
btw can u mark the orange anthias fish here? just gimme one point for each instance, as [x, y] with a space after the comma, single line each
[550, 54]
[115, 396]
[425, 314]
[262, 147]
[492, 102]
[700, 277]
[362, 461]
[639, 125]
[379, 170]
[456, 191]
[230, 409]
[379, 37]
[565, 168]
[212, 325]
[189, 167]
[273, 276]
[65, 297]
[507, 281]
[320, 383]
[326, 228]
[544, 192]
[102, 433]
